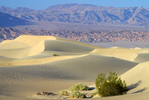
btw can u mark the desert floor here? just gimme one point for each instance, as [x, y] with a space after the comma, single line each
[27, 66]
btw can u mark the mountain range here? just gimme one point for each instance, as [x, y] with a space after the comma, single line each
[81, 13]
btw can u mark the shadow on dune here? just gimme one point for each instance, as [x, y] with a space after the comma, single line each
[92, 88]
[142, 57]
[141, 90]
[133, 86]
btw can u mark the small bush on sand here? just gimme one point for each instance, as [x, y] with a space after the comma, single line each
[94, 94]
[55, 55]
[44, 93]
[76, 94]
[64, 93]
[110, 86]
[38, 93]
[79, 87]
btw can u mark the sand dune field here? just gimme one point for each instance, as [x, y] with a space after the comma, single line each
[27, 65]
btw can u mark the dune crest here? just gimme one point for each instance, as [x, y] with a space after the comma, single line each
[122, 53]
[33, 40]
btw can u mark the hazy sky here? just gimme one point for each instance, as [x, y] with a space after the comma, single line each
[43, 4]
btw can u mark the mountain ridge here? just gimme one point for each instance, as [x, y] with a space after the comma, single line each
[83, 14]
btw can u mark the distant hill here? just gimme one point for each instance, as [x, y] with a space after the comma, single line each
[147, 8]
[10, 33]
[7, 20]
[82, 36]
[84, 14]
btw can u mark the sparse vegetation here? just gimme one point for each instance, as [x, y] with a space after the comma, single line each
[110, 86]
[79, 87]
[55, 54]
[76, 94]
[44, 93]
[64, 93]
[38, 93]
[94, 94]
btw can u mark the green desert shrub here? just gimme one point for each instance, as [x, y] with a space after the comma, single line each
[64, 93]
[94, 94]
[110, 86]
[79, 87]
[76, 94]
[55, 55]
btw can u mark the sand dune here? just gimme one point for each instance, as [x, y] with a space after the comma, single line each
[33, 40]
[94, 63]
[24, 46]
[36, 49]
[63, 46]
[142, 57]
[137, 78]
[27, 65]
[35, 61]
[13, 45]
[80, 43]
[14, 53]
[122, 53]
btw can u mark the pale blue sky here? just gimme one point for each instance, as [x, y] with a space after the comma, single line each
[43, 4]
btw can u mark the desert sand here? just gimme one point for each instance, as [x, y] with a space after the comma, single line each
[27, 66]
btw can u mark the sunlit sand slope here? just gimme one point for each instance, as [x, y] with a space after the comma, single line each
[15, 53]
[33, 40]
[94, 64]
[137, 78]
[13, 45]
[34, 60]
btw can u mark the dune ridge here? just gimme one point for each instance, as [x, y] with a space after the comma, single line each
[33, 40]
[122, 53]
[142, 57]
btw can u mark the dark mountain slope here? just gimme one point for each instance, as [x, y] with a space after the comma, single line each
[7, 20]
